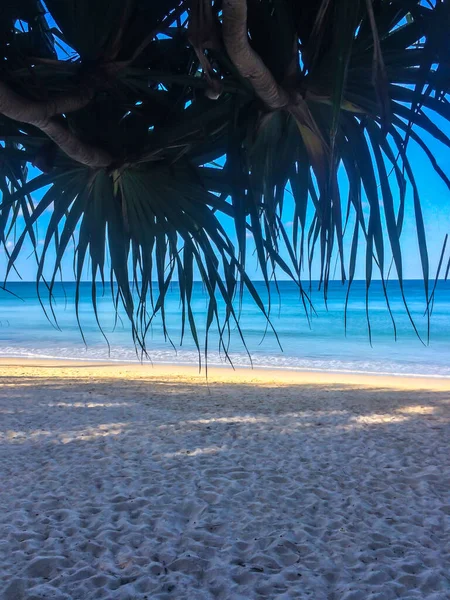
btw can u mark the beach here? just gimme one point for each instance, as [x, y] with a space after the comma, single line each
[124, 481]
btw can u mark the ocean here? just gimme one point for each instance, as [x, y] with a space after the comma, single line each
[322, 345]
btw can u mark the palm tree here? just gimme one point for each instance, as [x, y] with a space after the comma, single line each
[150, 121]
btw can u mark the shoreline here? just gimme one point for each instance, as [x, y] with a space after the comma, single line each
[172, 365]
[217, 374]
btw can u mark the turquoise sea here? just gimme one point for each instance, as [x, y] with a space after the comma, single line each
[25, 332]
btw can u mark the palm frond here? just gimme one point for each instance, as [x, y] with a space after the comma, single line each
[322, 95]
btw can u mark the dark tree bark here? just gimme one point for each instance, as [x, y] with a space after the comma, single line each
[245, 59]
[42, 115]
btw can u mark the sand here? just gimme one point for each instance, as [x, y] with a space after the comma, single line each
[127, 482]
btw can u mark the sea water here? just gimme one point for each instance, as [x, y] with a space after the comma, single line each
[320, 342]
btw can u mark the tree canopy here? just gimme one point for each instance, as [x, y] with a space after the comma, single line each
[152, 121]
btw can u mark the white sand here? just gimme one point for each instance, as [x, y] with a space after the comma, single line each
[126, 483]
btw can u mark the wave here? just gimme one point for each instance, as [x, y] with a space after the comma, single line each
[261, 361]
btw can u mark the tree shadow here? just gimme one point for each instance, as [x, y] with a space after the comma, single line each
[136, 486]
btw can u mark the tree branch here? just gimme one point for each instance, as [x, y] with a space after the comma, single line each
[41, 114]
[70, 144]
[245, 59]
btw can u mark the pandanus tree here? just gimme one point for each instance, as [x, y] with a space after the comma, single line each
[149, 123]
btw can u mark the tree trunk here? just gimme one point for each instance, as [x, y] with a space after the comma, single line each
[245, 59]
[41, 114]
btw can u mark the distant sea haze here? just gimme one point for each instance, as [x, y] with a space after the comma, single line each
[323, 345]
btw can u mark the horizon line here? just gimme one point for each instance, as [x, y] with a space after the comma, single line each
[2, 285]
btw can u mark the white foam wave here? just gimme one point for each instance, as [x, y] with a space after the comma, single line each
[259, 361]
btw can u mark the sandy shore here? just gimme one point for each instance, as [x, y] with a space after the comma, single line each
[127, 482]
